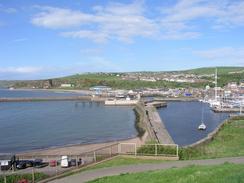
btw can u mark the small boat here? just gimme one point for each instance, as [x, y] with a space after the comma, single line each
[11, 88]
[202, 126]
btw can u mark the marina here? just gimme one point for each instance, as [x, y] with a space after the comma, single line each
[182, 119]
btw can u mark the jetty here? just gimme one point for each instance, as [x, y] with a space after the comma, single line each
[38, 99]
[121, 102]
[156, 124]
[228, 110]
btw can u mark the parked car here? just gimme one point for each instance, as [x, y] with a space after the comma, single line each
[73, 162]
[21, 165]
[53, 163]
[64, 162]
[37, 162]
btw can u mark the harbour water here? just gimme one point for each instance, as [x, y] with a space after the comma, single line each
[5, 93]
[182, 119]
[27, 126]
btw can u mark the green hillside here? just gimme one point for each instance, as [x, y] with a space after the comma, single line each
[116, 81]
[211, 70]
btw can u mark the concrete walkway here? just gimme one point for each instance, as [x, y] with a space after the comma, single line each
[94, 174]
[157, 126]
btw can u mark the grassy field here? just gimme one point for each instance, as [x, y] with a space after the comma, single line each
[225, 173]
[16, 178]
[120, 161]
[228, 142]
[211, 70]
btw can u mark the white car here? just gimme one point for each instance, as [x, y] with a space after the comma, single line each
[64, 162]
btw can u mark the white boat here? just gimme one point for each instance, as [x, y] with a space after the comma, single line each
[11, 88]
[202, 126]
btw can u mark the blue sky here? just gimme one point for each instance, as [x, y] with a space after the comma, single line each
[43, 39]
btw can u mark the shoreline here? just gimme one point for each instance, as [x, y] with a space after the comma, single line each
[78, 149]
[212, 134]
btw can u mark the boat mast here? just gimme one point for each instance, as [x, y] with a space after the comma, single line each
[216, 84]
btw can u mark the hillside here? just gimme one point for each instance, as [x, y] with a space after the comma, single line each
[131, 81]
[211, 70]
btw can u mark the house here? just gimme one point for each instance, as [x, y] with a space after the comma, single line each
[67, 85]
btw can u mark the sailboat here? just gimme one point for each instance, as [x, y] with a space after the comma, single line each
[202, 126]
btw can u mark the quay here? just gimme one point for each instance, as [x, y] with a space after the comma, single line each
[37, 99]
[121, 102]
[156, 124]
[229, 110]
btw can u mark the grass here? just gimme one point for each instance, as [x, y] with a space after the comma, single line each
[121, 161]
[228, 142]
[225, 173]
[16, 178]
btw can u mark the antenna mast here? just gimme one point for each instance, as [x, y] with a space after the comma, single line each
[216, 83]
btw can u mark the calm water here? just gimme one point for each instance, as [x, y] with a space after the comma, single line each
[5, 93]
[183, 118]
[34, 125]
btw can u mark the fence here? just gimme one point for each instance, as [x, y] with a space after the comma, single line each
[167, 150]
[51, 165]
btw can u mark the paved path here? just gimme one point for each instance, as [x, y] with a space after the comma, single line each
[91, 175]
[158, 127]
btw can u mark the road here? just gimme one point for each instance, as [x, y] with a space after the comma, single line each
[94, 174]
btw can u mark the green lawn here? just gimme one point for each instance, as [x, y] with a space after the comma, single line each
[120, 161]
[225, 173]
[228, 142]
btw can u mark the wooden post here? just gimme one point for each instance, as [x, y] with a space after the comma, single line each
[110, 151]
[119, 148]
[33, 175]
[94, 156]
[5, 179]
[177, 150]
[77, 162]
[156, 150]
[135, 150]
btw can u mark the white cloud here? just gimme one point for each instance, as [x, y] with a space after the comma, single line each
[54, 18]
[124, 22]
[230, 54]
[219, 14]
[115, 21]
[21, 70]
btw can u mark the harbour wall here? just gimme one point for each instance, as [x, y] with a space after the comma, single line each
[156, 124]
[38, 99]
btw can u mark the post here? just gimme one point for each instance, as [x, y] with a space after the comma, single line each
[5, 179]
[119, 148]
[33, 175]
[177, 150]
[94, 156]
[135, 150]
[156, 150]
[110, 151]
[77, 162]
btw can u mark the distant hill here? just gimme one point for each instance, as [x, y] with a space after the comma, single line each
[6, 84]
[117, 81]
[211, 70]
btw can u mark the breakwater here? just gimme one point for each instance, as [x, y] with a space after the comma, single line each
[65, 98]
[156, 124]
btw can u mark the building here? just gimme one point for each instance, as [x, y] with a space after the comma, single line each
[67, 85]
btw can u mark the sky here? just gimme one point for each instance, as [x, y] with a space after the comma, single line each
[51, 38]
